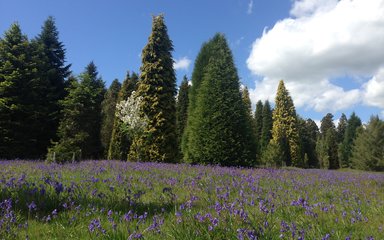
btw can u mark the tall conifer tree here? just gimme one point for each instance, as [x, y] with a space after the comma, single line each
[350, 134]
[258, 126]
[266, 131]
[220, 132]
[157, 86]
[284, 130]
[182, 109]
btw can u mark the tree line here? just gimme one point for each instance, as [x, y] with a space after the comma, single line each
[46, 112]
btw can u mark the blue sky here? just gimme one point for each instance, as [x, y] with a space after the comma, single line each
[267, 37]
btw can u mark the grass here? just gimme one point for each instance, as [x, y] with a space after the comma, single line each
[119, 200]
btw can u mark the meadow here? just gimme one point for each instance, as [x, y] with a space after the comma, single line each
[124, 200]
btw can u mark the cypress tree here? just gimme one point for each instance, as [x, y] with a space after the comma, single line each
[157, 86]
[220, 132]
[79, 129]
[201, 62]
[121, 141]
[108, 115]
[182, 109]
[284, 130]
[266, 134]
[258, 126]
[350, 134]
[368, 149]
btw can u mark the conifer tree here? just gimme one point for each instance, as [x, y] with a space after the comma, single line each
[19, 89]
[182, 109]
[313, 134]
[327, 144]
[108, 115]
[266, 134]
[121, 141]
[220, 132]
[79, 129]
[201, 62]
[368, 149]
[53, 70]
[157, 86]
[284, 130]
[258, 126]
[350, 134]
[341, 128]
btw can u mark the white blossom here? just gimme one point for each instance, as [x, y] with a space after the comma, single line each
[129, 113]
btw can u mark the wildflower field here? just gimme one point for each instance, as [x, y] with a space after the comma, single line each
[122, 200]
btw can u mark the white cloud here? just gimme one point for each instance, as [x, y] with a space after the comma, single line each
[325, 39]
[250, 7]
[182, 63]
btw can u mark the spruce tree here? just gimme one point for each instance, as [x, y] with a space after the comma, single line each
[258, 126]
[368, 148]
[120, 140]
[157, 86]
[350, 134]
[54, 71]
[313, 134]
[22, 98]
[182, 109]
[266, 134]
[108, 115]
[284, 130]
[79, 129]
[220, 132]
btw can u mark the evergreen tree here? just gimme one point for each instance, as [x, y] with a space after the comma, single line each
[368, 149]
[258, 126]
[284, 130]
[157, 86]
[201, 62]
[341, 127]
[220, 132]
[23, 102]
[266, 131]
[108, 115]
[327, 144]
[120, 140]
[53, 70]
[79, 129]
[350, 134]
[312, 134]
[247, 101]
[182, 109]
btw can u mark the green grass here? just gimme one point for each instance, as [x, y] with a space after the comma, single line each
[165, 201]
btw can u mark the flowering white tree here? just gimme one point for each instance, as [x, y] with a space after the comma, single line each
[128, 112]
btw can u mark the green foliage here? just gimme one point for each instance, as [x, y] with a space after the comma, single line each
[219, 131]
[21, 98]
[182, 110]
[285, 130]
[258, 126]
[80, 126]
[266, 131]
[273, 155]
[120, 140]
[201, 62]
[157, 86]
[368, 149]
[346, 146]
[341, 128]
[327, 149]
[108, 108]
